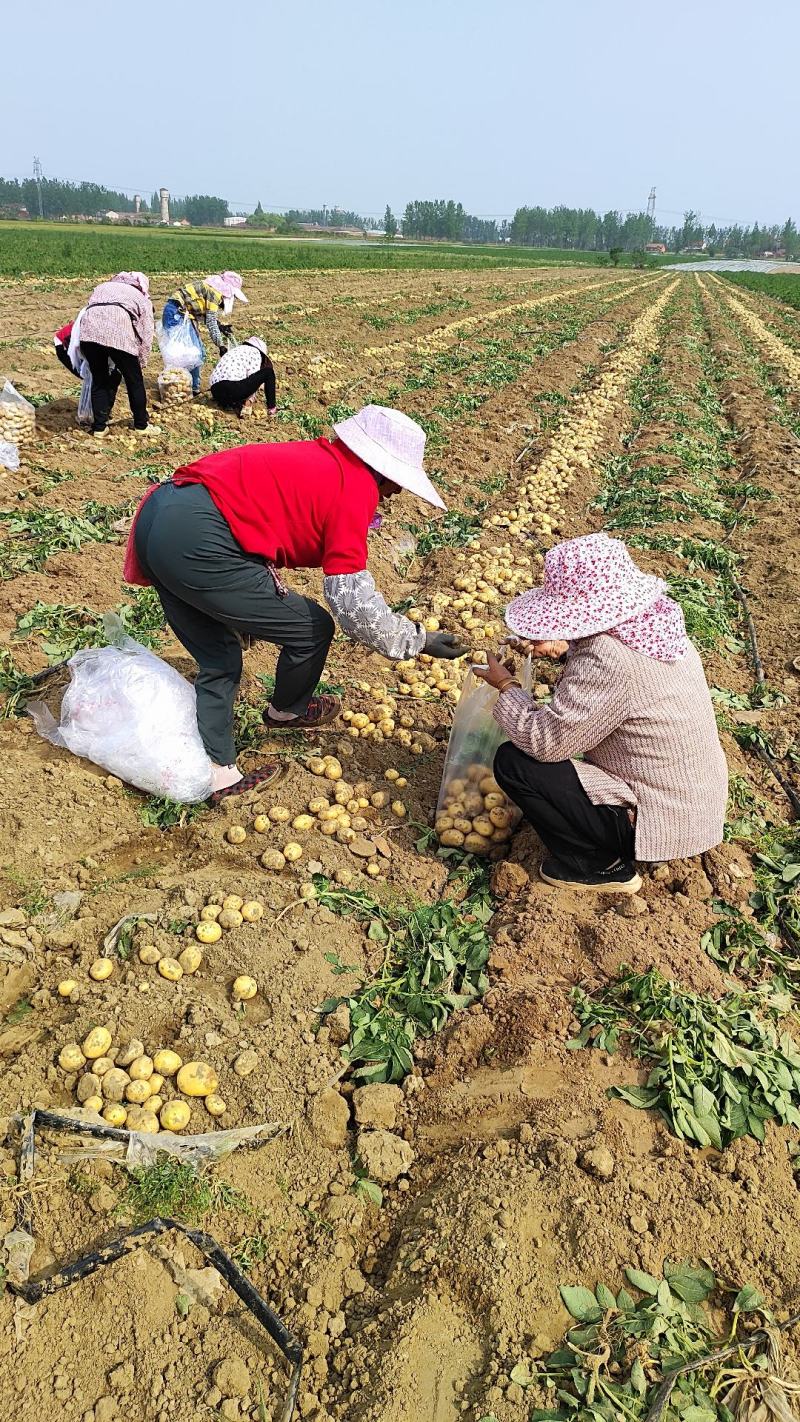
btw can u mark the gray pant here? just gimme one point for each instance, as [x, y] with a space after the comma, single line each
[210, 589]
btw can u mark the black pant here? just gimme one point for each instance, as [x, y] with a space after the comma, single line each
[583, 836]
[210, 589]
[231, 394]
[105, 383]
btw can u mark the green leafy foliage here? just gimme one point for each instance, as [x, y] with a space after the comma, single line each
[162, 813]
[65, 629]
[173, 1187]
[454, 530]
[718, 1069]
[32, 538]
[434, 963]
[781, 286]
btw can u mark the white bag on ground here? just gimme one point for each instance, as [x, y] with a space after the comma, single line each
[135, 716]
[473, 813]
[9, 455]
[180, 345]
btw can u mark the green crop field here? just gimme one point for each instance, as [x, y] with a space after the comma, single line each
[782, 287]
[64, 250]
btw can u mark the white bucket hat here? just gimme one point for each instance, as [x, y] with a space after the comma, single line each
[258, 343]
[393, 445]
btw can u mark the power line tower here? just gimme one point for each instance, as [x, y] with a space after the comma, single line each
[651, 205]
[37, 173]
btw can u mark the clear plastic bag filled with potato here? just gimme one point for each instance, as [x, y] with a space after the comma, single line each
[17, 416]
[473, 813]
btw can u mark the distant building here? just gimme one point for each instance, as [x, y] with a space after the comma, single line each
[237, 221]
[10, 210]
[184, 222]
[163, 197]
[695, 247]
[655, 247]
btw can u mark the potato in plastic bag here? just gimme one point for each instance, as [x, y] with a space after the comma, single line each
[17, 416]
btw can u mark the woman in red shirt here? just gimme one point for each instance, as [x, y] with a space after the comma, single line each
[211, 542]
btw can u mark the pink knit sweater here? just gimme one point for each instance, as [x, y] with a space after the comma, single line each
[119, 316]
[647, 735]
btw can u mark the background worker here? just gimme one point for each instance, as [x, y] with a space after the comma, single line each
[116, 337]
[625, 763]
[211, 541]
[199, 302]
[239, 375]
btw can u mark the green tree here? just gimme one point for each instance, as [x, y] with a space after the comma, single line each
[389, 223]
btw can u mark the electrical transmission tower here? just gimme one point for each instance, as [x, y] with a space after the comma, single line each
[37, 173]
[651, 205]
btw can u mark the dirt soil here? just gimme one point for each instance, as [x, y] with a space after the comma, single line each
[417, 1310]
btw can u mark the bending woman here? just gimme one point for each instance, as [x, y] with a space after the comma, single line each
[116, 337]
[202, 301]
[240, 374]
[625, 763]
[211, 542]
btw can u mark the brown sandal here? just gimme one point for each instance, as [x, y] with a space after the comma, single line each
[254, 780]
[320, 711]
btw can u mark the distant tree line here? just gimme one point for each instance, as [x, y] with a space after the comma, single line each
[585, 230]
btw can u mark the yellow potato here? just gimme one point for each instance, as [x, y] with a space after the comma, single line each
[232, 901]
[244, 988]
[453, 838]
[400, 783]
[273, 859]
[94, 1103]
[333, 771]
[197, 1079]
[155, 1102]
[493, 800]
[252, 911]
[141, 1120]
[71, 1058]
[175, 1115]
[261, 824]
[171, 969]
[141, 1069]
[115, 1114]
[236, 834]
[101, 969]
[230, 918]
[215, 1105]
[148, 953]
[475, 844]
[113, 1084]
[390, 774]
[155, 1082]
[66, 987]
[102, 1065]
[279, 814]
[96, 1043]
[210, 913]
[137, 1092]
[292, 851]
[208, 932]
[167, 1062]
[318, 803]
[316, 765]
[460, 822]
[328, 827]
[500, 817]
[483, 826]
[399, 809]
[373, 870]
[380, 799]
[191, 958]
[444, 822]
[302, 822]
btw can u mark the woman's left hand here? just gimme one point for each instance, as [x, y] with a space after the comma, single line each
[495, 673]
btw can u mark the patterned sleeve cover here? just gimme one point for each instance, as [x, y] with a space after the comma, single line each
[212, 326]
[363, 614]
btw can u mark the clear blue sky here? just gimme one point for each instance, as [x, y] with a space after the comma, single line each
[363, 102]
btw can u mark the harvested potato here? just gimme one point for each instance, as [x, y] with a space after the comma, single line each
[252, 911]
[236, 834]
[175, 1115]
[302, 822]
[232, 901]
[190, 959]
[451, 838]
[137, 1092]
[114, 1083]
[390, 774]
[142, 1120]
[208, 932]
[399, 809]
[210, 913]
[148, 953]
[380, 799]
[333, 770]
[167, 1062]
[96, 1043]
[316, 765]
[308, 891]
[317, 804]
[197, 1079]
[171, 969]
[244, 988]
[94, 1103]
[343, 877]
[88, 1085]
[482, 825]
[66, 987]
[141, 1069]
[215, 1105]
[101, 969]
[279, 814]
[273, 859]
[155, 1102]
[155, 1082]
[114, 1114]
[261, 824]
[230, 918]
[475, 844]
[373, 870]
[102, 1065]
[292, 852]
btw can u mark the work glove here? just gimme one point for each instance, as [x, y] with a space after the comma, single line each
[444, 645]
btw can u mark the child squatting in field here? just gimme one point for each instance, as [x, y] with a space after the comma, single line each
[625, 763]
[211, 541]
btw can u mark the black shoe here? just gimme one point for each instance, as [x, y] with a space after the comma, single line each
[620, 878]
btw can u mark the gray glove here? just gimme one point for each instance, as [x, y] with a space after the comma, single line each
[444, 645]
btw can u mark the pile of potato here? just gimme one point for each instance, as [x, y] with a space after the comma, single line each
[129, 1088]
[222, 913]
[17, 421]
[474, 813]
[174, 386]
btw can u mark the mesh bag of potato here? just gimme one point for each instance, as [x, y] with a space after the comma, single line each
[174, 386]
[17, 416]
[473, 813]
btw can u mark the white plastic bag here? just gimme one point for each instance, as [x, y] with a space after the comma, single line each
[17, 415]
[473, 813]
[135, 716]
[85, 414]
[9, 455]
[180, 345]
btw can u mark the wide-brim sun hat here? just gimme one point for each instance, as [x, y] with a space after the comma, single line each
[229, 285]
[257, 342]
[591, 584]
[393, 445]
